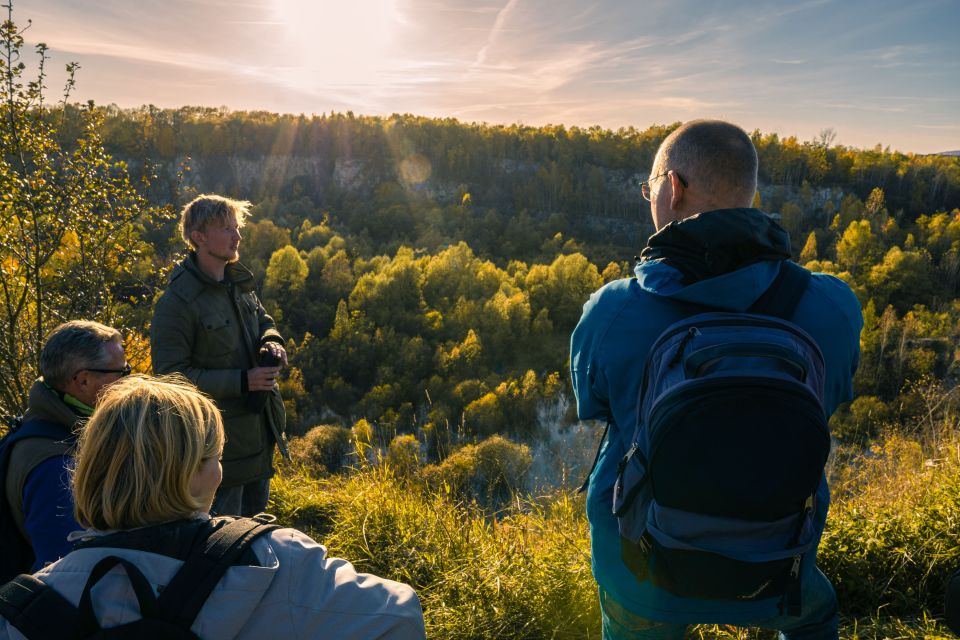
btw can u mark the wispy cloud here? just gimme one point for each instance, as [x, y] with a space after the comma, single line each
[495, 32]
[862, 106]
[797, 8]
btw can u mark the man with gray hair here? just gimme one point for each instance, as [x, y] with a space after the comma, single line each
[78, 360]
[712, 252]
[209, 325]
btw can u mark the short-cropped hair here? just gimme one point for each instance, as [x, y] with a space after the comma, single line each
[73, 346]
[138, 452]
[204, 210]
[715, 156]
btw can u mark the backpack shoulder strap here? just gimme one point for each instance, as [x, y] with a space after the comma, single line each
[182, 599]
[35, 442]
[783, 295]
[87, 619]
[38, 611]
[40, 428]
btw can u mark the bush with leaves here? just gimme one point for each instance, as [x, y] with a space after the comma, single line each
[403, 455]
[324, 447]
[71, 220]
[489, 473]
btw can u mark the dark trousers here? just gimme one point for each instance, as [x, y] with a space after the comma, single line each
[246, 500]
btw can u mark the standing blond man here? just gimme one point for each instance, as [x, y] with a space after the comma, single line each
[209, 325]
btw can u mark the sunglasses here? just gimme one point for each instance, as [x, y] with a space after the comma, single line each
[123, 372]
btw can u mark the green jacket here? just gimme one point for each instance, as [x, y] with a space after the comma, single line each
[211, 332]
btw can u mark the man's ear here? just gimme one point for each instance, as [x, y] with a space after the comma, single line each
[197, 237]
[80, 380]
[676, 190]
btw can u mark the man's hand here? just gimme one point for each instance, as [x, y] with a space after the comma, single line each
[277, 350]
[262, 378]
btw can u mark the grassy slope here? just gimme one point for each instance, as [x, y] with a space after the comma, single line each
[891, 541]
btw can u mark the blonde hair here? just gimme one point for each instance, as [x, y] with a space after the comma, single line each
[140, 449]
[202, 210]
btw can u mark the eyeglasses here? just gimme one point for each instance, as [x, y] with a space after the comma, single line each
[645, 185]
[123, 372]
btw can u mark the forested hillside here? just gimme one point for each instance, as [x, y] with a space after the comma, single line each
[428, 274]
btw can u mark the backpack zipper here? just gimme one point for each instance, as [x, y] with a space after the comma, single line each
[741, 321]
[691, 333]
[621, 467]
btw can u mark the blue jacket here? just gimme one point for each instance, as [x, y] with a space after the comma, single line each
[37, 481]
[608, 348]
[48, 510]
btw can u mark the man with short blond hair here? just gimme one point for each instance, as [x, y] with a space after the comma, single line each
[711, 252]
[209, 325]
[79, 359]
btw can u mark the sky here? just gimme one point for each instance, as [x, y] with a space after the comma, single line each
[873, 71]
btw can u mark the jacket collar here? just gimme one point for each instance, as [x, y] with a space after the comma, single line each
[189, 288]
[715, 243]
[44, 403]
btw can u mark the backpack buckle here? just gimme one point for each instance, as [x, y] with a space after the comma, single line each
[265, 518]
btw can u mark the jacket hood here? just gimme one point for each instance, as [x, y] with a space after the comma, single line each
[188, 281]
[235, 272]
[43, 403]
[723, 259]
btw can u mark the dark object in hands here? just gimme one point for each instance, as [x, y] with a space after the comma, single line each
[257, 400]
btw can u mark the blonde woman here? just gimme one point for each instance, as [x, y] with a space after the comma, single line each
[148, 466]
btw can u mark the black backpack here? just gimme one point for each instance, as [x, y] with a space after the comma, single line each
[715, 497]
[40, 612]
[17, 556]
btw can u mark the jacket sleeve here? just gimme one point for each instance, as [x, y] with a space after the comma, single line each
[327, 593]
[268, 328]
[48, 510]
[172, 341]
[586, 375]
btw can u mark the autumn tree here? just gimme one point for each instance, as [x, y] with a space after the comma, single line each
[70, 222]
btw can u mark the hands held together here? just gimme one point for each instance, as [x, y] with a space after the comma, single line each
[263, 378]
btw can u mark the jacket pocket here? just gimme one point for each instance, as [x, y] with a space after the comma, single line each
[218, 337]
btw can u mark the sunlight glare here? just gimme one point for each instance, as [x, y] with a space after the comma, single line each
[337, 42]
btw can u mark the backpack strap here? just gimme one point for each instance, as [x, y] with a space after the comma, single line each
[783, 295]
[38, 611]
[88, 624]
[185, 595]
[35, 441]
[596, 458]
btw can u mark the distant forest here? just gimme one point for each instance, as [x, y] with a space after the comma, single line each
[583, 182]
[428, 272]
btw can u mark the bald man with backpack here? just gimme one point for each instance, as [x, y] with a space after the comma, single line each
[716, 369]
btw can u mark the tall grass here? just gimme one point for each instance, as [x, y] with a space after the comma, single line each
[892, 539]
[893, 536]
[521, 573]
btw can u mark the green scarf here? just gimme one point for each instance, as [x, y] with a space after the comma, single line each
[80, 408]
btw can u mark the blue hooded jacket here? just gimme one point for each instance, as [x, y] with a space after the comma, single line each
[722, 260]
